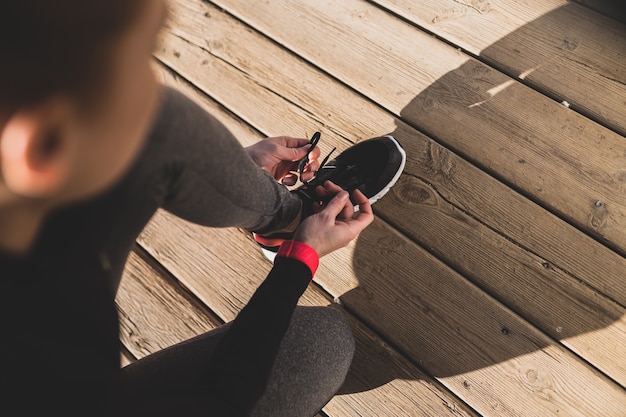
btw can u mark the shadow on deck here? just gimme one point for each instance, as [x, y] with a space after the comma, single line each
[465, 331]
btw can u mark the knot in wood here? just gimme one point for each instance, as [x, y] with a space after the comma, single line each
[416, 192]
[599, 215]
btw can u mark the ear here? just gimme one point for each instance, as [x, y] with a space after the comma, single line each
[34, 149]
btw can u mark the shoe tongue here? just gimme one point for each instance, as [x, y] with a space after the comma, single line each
[349, 178]
[345, 175]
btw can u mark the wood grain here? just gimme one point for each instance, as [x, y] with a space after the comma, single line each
[449, 201]
[591, 325]
[342, 111]
[187, 244]
[463, 336]
[458, 337]
[155, 314]
[126, 357]
[517, 241]
[547, 151]
[227, 269]
[558, 47]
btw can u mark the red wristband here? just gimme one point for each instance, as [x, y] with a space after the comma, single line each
[300, 251]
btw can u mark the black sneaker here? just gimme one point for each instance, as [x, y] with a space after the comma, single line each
[372, 166]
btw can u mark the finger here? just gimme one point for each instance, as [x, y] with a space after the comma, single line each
[336, 205]
[317, 207]
[289, 179]
[347, 212]
[290, 149]
[304, 151]
[307, 176]
[325, 192]
[360, 199]
[310, 171]
[289, 142]
[365, 215]
[292, 154]
[311, 167]
[322, 195]
[321, 191]
[314, 155]
[332, 187]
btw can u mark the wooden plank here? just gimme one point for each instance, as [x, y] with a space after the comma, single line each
[149, 285]
[242, 131]
[339, 265]
[313, 100]
[611, 8]
[460, 337]
[551, 153]
[200, 47]
[560, 48]
[381, 383]
[588, 324]
[126, 357]
[154, 313]
[379, 374]
[533, 281]
[465, 338]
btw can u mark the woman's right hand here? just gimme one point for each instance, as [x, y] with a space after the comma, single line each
[335, 225]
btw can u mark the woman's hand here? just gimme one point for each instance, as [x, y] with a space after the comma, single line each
[280, 155]
[335, 225]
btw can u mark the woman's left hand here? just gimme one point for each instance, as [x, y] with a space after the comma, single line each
[280, 156]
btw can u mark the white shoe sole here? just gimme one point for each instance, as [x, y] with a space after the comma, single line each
[395, 178]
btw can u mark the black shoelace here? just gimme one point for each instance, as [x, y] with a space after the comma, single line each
[314, 140]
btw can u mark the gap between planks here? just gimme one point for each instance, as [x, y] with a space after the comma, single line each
[167, 255]
[551, 272]
[151, 303]
[540, 147]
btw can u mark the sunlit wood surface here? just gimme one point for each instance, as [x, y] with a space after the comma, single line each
[493, 281]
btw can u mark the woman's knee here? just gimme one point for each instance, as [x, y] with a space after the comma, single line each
[327, 335]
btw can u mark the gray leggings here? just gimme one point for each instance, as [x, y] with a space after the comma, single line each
[194, 168]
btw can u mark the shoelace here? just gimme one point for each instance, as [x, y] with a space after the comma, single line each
[314, 140]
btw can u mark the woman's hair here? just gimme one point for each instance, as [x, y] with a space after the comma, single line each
[59, 46]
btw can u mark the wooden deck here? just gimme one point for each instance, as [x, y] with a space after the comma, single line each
[493, 281]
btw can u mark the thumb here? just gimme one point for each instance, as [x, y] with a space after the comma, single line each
[292, 154]
[337, 203]
[301, 152]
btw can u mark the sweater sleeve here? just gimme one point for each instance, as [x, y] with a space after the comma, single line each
[190, 150]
